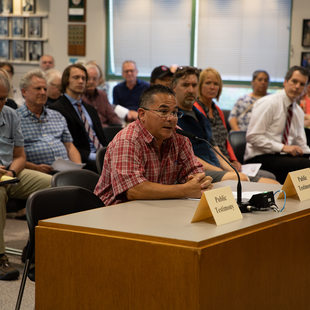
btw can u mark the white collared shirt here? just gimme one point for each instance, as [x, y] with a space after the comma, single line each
[265, 131]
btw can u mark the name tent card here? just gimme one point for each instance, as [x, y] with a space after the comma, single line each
[220, 204]
[297, 185]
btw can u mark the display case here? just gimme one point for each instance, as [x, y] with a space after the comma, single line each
[23, 31]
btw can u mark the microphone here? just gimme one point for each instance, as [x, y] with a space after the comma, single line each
[243, 206]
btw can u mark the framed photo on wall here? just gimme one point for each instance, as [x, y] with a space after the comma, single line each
[29, 6]
[18, 27]
[6, 6]
[4, 26]
[4, 50]
[305, 60]
[18, 50]
[306, 33]
[35, 50]
[34, 27]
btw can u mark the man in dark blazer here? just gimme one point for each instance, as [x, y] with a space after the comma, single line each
[71, 106]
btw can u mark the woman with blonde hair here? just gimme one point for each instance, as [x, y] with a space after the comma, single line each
[9, 101]
[210, 87]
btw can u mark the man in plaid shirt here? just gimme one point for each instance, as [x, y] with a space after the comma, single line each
[148, 160]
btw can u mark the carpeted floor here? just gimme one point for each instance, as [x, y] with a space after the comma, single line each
[16, 235]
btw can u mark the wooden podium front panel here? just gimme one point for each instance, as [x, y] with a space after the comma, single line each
[264, 269]
[267, 269]
[76, 270]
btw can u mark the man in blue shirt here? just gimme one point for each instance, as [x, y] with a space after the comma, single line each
[126, 94]
[185, 86]
[12, 163]
[46, 135]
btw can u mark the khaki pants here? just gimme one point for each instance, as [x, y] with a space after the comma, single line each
[30, 181]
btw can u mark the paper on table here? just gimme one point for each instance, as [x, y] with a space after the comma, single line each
[64, 165]
[5, 179]
[250, 169]
[246, 195]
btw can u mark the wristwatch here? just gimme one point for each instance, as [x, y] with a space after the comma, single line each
[13, 172]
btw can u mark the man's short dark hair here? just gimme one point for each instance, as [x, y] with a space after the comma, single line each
[291, 71]
[146, 98]
[66, 75]
[183, 72]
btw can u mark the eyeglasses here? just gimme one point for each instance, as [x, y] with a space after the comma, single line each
[165, 113]
[3, 99]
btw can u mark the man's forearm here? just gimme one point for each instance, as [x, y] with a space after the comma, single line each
[151, 190]
[19, 160]
[73, 153]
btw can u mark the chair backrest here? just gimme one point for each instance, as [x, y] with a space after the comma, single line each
[100, 158]
[57, 201]
[237, 140]
[81, 177]
[111, 131]
[226, 115]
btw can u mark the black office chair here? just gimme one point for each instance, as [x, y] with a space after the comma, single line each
[237, 140]
[52, 202]
[110, 132]
[84, 178]
[100, 158]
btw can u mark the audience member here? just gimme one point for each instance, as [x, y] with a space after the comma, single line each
[101, 83]
[45, 131]
[148, 160]
[240, 114]
[14, 94]
[12, 163]
[127, 93]
[53, 80]
[210, 87]
[161, 75]
[47, 62]
[82, 119]
[305, 105]
[9, 102]
[98, 98]
[276, 136]
[185, 86]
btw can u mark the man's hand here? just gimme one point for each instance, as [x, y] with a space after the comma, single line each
[132, 115]
[3, 171]
[44, 168]
[294, 150]
[197, 184]
[236, 165]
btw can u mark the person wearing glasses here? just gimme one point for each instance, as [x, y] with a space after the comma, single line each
[9, 101]
[45, 131]
[127, 93]
[53, 90]
[12, 164]
[148, 160]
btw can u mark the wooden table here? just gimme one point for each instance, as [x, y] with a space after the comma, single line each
[147, 255]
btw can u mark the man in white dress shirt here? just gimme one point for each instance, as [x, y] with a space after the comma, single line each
[281, 147]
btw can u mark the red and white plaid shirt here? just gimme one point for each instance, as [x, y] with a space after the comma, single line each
[132, 158]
